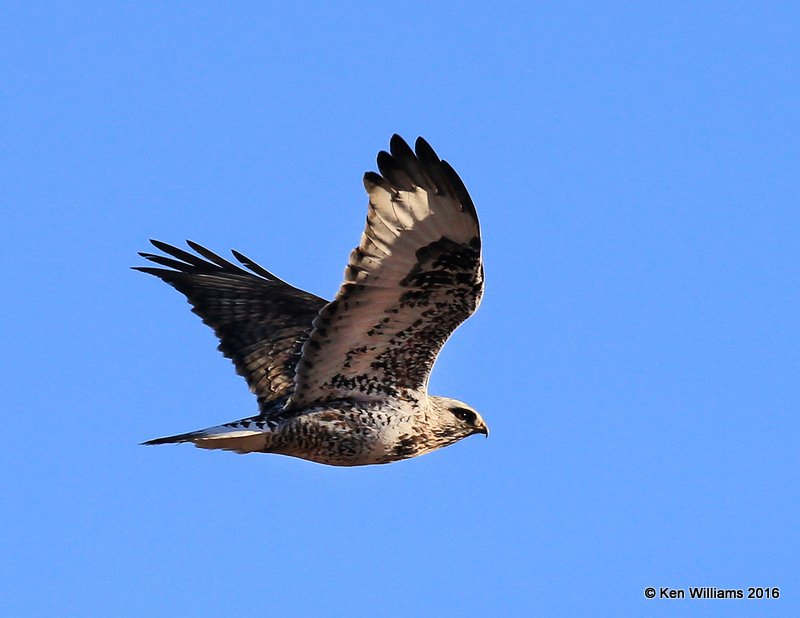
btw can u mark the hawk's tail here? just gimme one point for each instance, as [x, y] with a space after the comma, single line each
[245, 436]
[176, 439]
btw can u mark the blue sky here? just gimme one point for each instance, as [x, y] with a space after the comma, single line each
[635, 167]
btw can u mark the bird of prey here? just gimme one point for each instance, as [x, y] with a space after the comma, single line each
[345, 382]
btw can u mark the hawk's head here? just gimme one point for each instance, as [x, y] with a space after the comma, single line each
[458, 418]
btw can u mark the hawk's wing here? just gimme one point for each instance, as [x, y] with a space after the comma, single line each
[260, 320]
[416, 276]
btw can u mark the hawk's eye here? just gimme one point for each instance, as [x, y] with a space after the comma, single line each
[468, 416]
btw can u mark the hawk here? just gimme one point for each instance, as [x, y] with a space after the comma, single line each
[345, 382]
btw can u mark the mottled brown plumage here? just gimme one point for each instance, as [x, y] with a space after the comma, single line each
[345, 382]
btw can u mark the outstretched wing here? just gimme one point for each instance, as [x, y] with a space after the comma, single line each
[261, 321]
[416, 276]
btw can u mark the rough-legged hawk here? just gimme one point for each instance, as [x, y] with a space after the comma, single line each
[345, 382]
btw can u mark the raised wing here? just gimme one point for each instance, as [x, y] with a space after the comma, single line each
[261, 321]
[416, 276]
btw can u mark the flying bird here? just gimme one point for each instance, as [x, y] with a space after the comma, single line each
[345, 382]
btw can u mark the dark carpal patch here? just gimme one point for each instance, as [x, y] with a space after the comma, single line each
[439, 263]
[438, 293]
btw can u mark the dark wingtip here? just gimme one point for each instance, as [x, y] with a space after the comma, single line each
[460, 190]
[373, 178]
[403, 168]
[255, 266]
[398, 145]
[385, 164]
[424, 150]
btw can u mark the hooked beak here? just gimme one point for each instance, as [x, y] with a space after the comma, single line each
[483, 429]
